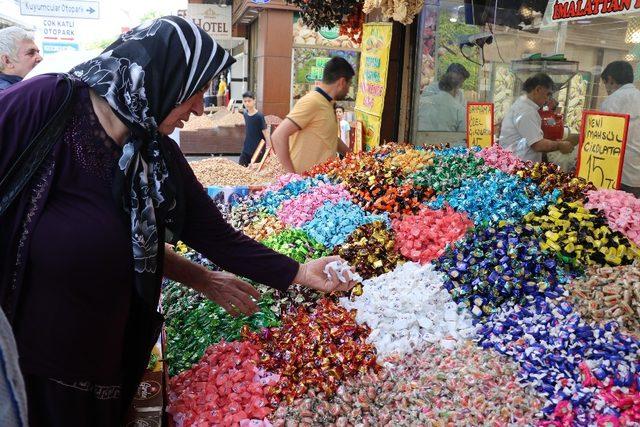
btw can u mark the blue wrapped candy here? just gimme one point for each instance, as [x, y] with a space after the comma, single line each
[332, 223]
[495, 197]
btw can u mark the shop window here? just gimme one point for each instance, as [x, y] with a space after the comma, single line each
[311, 50]
[444, 26]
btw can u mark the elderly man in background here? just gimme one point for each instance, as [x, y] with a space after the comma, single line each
[18, 55]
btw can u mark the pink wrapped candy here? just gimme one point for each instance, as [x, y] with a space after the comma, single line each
[300, 210]
[281, 182]
[224, 388]
[500, 158]
[621, 209]
[424, 237]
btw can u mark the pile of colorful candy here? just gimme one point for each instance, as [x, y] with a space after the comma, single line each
[333, 223]
[433, 387]
[410, 160]
[499, 158]
[609, 294]
[549, 178]
[494, 197]
[370, 250]
[424, 236]
[314, 349]
[225, 388]
[261, 226]
[193, 323]
[298, 211]
[621, 209]
[408, 307]
[580, 236]
[497, 265]
[505, 245]
[295, 244]
[553, 346]
[448, 172]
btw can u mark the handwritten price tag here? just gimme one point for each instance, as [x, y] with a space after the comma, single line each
[603, 140]
[479, 124]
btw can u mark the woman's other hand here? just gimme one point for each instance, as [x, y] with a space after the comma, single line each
[311, 274]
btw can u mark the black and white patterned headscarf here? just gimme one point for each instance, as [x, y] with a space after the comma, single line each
[143, 75]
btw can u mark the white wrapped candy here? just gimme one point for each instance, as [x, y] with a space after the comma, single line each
[342, 270]
[407, 307]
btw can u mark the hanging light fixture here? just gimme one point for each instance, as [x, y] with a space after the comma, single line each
[633, 31]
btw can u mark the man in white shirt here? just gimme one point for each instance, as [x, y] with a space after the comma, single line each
[624, 98]
[521, 131]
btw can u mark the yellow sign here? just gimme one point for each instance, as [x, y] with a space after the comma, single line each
[479, 124]
[603, 140]
[374, 66]
[370, 128]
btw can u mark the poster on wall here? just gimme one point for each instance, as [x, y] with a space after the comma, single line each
[308, 66]
[374, 66]
[371, 125]
[603, 140]
[326, 37]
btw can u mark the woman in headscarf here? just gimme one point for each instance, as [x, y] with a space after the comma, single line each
[84, 219]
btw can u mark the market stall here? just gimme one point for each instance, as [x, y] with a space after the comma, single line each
[493, 292]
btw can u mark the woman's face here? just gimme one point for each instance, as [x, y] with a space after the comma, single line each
[180, 114]
[339, 113]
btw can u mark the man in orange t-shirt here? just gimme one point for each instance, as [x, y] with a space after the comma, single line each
[308, 135]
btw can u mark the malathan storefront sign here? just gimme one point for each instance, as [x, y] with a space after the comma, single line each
[581, 9]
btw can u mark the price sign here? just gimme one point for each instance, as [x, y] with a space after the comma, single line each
[479, 124]
[603, 140]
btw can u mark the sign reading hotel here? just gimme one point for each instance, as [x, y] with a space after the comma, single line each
[479, 124]
[571, 10]
[212, 18]
[603, 140]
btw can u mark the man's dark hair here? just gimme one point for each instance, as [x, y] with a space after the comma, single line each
[336, 69]
[338, 107]
[620, 71]
[448, 83]
[540, 79]
[459, 69]
[249, 94]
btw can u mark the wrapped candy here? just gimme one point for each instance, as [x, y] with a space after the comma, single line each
[608, 294]
[298, 211]
[621, 209]
[447, 172]
[408, 307]
[549, 177]
[409, 161]
[581, 237]
[494, 197]
[500, 158]
[225, 388]
[370, 250]
[332, 223]
[424, 236]
[271, 201]
[262, 227]
[295, 244]
[433, 387]
[552, 345]
[497, 265]
[314, 350]
[395, 201]
[193, 323]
